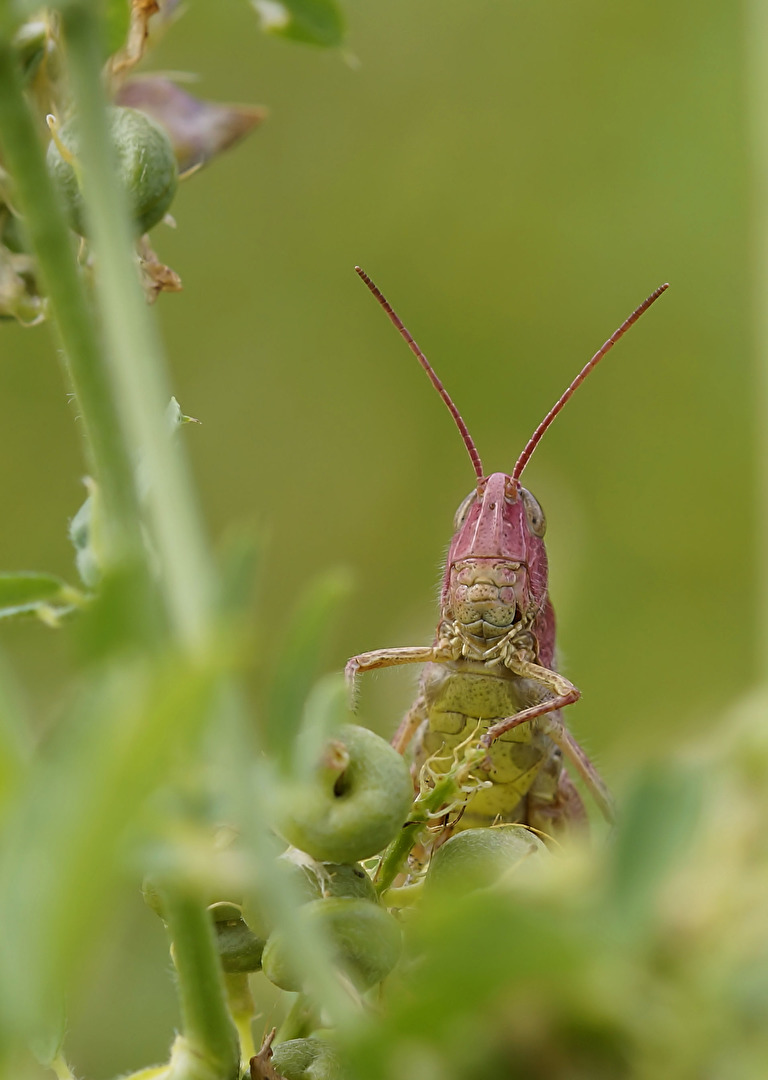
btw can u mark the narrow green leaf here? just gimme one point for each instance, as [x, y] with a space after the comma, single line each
[63, 853]
[657, 823]
[30, 593]
[314, 22]
[299, 663]
[15, 737]
[325, 710]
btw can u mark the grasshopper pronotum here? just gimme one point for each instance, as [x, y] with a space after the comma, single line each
[491, 665]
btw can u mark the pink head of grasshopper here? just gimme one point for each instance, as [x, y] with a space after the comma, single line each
[496, 571]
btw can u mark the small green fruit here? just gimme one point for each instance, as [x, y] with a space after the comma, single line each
[312, 881]
[146, 167]
[306, 1059]
[346, 880]
[476, 858]
[365, 941]
[239, 948]
[356, 803]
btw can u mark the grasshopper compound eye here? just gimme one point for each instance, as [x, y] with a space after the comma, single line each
[463, 511]
[537, 522]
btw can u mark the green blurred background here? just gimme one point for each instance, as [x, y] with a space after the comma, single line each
[516, 177]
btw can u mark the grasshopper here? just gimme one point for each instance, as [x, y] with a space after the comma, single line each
[491, 668]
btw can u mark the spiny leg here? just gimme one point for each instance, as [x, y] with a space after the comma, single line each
[382, 658]
[565, 694]
[410, 724]
[559, 813]
[561, 736]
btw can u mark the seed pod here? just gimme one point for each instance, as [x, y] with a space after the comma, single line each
[145, 160]
[476, 858]
[306, 1059]
[365, 941]
[313, 881]
[356, 803]
[345, 880]
[239, 948]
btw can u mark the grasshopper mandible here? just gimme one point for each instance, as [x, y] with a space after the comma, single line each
[491, 667]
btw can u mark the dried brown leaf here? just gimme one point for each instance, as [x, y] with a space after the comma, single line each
[199, 130]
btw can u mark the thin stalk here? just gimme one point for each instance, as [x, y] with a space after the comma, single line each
[208, 1031]
[394, 857]
[51, 240]
[134, 350]
[756, 43]
[299, 1020]
[242, 1010]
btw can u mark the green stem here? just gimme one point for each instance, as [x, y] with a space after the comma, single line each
[242, 1010]
[52, 243]
[403, 896]
[134, 351]
[61, 1068]
[211, 1040]
[298, 1021]
[756, 40]
[394, 857]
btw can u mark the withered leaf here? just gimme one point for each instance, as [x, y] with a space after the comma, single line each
[199, 130]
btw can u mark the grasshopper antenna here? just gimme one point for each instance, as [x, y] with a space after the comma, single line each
[535, 439]
[468, 442]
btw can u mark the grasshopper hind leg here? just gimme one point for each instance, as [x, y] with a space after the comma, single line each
[558, 812]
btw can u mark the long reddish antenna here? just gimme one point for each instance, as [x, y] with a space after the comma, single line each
[468, 442]
[535, 439]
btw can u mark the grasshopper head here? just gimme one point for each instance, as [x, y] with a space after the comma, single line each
[496, 572]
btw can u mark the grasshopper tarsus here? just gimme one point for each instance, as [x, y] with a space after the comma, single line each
[494, 651]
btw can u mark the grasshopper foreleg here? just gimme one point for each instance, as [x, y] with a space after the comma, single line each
[381, 658]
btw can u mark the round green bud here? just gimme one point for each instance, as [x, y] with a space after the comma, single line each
[239, 948]
[356, 803]
[306, 1059]
[312, 881]
[346, 880]
[146, 167]
[365, 942]
[476, 858]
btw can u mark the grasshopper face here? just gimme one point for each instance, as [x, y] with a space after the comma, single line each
[496, 571]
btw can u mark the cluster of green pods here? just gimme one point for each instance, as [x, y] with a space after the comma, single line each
[354, 805]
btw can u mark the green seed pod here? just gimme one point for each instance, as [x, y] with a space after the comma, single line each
[146, 166]
[304, 886]
[356, 803]
[346, 880]
[239, 948]
[476, 858]
[365, 940]
[306, 1059]
[312, 881]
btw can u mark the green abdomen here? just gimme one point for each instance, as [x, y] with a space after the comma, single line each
[464, 703]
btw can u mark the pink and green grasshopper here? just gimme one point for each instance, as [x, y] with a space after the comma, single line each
[491, 668]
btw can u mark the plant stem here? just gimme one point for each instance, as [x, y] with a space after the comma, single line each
[208, 1031]
[242, 1010]
[134, 351]
[52, 244]
[756, 40]
[298, 1020]
[443, 792]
